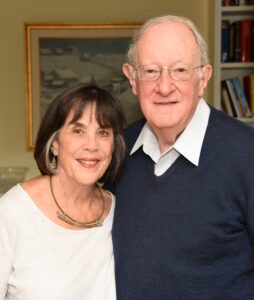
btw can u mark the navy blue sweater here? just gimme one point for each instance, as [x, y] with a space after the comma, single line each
[188, 234]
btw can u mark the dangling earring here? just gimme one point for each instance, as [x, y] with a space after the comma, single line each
[53, 163]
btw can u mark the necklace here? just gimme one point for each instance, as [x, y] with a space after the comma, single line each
[63, 216]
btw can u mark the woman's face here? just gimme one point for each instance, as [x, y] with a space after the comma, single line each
[83, 148]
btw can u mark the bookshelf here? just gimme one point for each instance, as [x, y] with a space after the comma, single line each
[222, 71]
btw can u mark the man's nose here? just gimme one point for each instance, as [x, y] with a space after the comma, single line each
[165, 83]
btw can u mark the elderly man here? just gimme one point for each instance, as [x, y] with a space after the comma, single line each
[184, 216]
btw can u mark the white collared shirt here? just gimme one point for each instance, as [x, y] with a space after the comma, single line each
[188, 144]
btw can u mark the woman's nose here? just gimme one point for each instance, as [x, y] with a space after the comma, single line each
[90, 142]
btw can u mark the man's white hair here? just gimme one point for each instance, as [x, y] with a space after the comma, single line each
[202, 46]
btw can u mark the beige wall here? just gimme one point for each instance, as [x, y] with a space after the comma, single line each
[13, 14]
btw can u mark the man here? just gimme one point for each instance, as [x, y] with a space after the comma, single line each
[184, 217]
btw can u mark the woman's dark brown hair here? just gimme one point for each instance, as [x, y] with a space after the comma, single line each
[108, 115]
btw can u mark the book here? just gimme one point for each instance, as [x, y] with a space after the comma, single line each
[241, 96]
[252, 40]
[248, 86]
[234, 99]
[225, 41]
[252, 91]
[246, 40]
[225, 101]
[232, 32]
[238, 48]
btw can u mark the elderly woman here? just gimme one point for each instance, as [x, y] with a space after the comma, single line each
[55, 229]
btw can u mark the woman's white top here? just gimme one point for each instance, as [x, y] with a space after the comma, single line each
[40, 260]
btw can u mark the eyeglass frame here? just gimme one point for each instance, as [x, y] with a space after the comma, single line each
[169, 69]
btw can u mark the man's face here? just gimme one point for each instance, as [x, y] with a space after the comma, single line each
[165, 102]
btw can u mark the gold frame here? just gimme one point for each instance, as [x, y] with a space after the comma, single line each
[33, 33]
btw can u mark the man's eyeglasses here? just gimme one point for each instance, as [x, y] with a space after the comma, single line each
[179, 72]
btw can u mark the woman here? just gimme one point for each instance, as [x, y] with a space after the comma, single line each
[55, 229]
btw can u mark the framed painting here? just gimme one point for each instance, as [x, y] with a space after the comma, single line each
[62, 55]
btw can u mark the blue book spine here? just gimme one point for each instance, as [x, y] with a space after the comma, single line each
[235, 101]
[241, 96]
[225, 41]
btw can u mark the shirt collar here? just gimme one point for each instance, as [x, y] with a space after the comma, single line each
[188, 144]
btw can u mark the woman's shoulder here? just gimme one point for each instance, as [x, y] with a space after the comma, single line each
[14, 198]
[11, 203]
[34, 183]
[11, 195]
[109, 202]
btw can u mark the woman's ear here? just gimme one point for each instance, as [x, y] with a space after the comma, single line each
[54, 147]
[130, 73]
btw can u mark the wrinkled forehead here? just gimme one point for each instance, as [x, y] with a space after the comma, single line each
[165, 42]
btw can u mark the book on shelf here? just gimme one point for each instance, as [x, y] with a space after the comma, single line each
[232, 38]
[239, 110]
[241, 96]
[225, 2]
[225, 41]
[236, 2]
[246, 40]
[226, 102]
[248, 85]
[230, 2]
[252, 39]
[237, 40]
[246, 2]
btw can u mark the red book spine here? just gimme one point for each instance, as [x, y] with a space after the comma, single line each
[246, 40]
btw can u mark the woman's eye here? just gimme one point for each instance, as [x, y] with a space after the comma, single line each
[78, 131]
[104, 132]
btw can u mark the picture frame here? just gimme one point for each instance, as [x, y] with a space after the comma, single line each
[58, 56]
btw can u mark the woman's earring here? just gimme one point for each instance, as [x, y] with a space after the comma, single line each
[53, 163]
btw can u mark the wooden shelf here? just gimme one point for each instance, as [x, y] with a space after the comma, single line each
[232, 69]
[237, 9]
[237, 65]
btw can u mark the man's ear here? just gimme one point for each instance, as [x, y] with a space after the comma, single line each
[206, 75]
[131, 75]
